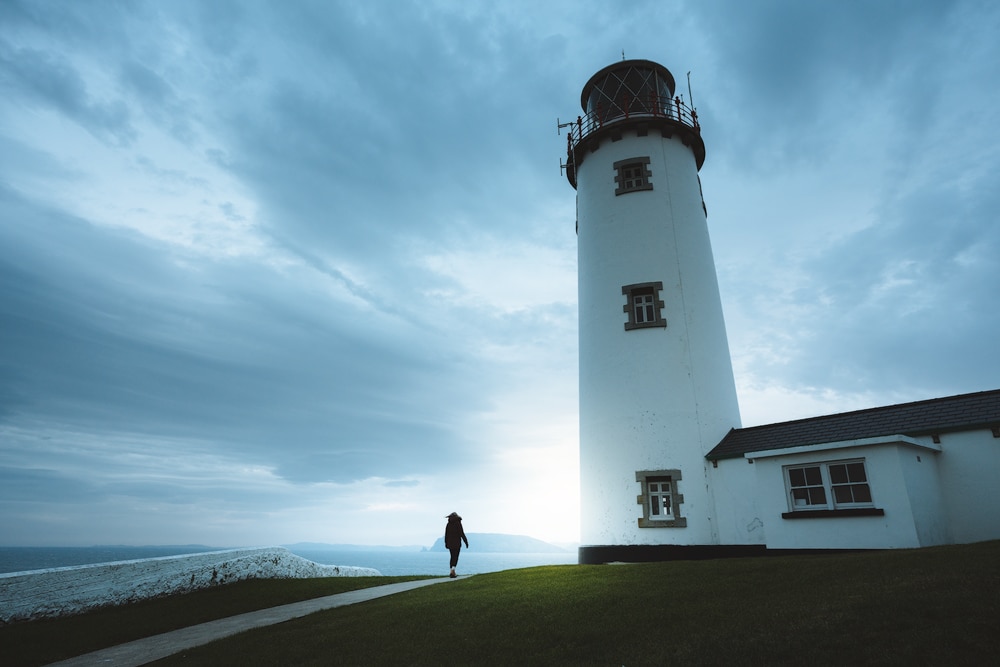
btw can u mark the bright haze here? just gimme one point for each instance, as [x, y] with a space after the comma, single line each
[306, 271]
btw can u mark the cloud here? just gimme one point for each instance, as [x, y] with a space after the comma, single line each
[218, 349]
[51, 82]
[305, 273]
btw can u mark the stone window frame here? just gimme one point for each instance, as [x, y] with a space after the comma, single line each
[644, 477]
[628, 183]
[641, 289]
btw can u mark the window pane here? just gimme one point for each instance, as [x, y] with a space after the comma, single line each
[797, 477]
[800, 496]
[817, 496]
[654, 507]
[644, 307]
[862, 494]
[838, 474]
[654, 487]
[856, 472]
[842, 494]
[813, 478]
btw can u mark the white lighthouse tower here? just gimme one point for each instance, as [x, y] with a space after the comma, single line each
[656, 379]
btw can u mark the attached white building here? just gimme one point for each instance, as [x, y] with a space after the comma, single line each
[666, 470]
[910, 475]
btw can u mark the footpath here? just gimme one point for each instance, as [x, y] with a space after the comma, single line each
[143, 651]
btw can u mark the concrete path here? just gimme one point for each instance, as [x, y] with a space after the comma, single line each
[143, 651]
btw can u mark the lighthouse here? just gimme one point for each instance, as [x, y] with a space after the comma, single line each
[656, 379]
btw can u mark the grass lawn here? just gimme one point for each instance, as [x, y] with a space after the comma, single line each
[925, 607]
[48, 640]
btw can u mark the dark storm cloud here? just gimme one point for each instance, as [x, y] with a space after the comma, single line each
[909, 299]
[432, 115]
[49, 80]
[164, 354]
[891, 295]
[158, 99]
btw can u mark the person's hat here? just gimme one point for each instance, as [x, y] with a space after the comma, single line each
[453, 514]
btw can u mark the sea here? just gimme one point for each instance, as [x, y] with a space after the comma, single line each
[389, 563]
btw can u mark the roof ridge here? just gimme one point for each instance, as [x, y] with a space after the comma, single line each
[957, 412]
[893, 406]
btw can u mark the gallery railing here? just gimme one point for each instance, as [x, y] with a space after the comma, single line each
[630, 107]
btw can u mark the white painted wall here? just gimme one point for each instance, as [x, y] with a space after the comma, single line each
[890, 492]
[650, 399]
[924, 491]
[738, 517]
[970, 473]
[931, 493]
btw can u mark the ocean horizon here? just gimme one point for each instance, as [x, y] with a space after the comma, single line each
[393, 562]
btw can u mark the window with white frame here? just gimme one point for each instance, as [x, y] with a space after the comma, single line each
[827, 486]
[659, 495]
[660, 500]
[644, 305]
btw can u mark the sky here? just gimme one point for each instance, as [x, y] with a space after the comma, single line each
[306, 271]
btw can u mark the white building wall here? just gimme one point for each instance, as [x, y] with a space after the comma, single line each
[970, 470]
[924, 490]
[738, 518]
[888, 483]
[658, 398]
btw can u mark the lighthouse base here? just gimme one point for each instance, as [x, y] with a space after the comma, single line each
[654, 553]
[649, 553]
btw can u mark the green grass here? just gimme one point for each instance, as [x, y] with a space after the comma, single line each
[914, 607]
[48, 640]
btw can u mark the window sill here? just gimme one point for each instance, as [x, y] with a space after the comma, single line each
[833, 514]
[682, 522]
[630, 326]
[625, 191]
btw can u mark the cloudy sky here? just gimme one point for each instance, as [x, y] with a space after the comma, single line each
[306, 271]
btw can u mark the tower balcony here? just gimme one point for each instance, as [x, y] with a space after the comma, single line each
[640, 113]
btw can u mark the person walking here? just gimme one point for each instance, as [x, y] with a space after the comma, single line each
[454, 535]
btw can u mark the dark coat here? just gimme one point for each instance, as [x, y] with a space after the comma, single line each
[454, 534]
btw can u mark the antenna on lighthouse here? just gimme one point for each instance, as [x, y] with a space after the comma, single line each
[690, 96]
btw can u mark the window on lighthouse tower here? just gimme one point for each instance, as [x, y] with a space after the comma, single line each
[660, 500]
[643, 305]
[632, 175]
[644, 311]
[660, 506]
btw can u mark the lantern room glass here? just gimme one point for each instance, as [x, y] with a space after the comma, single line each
[629, 89]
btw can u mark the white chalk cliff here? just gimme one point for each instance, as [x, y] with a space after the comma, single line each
[70, 590]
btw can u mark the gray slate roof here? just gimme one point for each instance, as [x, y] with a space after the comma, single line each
[937, 415]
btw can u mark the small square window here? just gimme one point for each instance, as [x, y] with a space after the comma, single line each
[659, 499]
[633, 175]
[643, 305]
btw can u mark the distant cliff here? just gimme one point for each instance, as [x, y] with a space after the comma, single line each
[504, 544]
